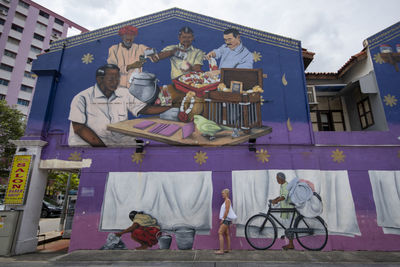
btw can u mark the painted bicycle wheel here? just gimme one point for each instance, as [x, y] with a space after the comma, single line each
[311, 233]
[260, 232]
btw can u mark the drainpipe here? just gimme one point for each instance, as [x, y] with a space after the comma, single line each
[53, 91]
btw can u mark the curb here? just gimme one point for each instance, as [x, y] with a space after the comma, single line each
[48, 240]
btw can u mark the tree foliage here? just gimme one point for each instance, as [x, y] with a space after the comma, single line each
[12, 127]
[60, 181]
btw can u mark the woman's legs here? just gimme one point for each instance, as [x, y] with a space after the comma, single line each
[221, 232]
[228, 239]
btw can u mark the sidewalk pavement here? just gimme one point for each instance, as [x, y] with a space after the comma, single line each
[56, 254]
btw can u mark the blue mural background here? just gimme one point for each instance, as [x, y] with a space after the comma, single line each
[388, 77]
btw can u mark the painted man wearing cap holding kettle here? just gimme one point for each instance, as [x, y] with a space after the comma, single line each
[127, 55]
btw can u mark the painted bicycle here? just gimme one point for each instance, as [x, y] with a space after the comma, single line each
[261, 230]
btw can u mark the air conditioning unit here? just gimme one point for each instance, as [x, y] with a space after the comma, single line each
[55, 36]
[3, 12]
[312, 96]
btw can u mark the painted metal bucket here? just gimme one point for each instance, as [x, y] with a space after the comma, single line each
[184, 236]
[164, 240]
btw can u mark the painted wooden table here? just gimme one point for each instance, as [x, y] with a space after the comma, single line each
[223, 138]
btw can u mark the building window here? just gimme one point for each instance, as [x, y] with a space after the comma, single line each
[38, 37]
[10, 54]
[17, 28]
[55, 34]
[35, 49]
[41, 26]
[59, 21]
[44, 14]
[20, 16]
[2, 97]
[29, 60]
[6, 67]
[2, 21]
[13, 41]
[23, 4]
[29, 75]
[327, 120]
[3, 10]
[4, 82]
[365, 113]
[22, 102]
[26, 89]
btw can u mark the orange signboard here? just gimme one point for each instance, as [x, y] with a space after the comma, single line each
[17, 184]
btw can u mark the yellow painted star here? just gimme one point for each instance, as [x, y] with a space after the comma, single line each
[338, 156]
[138, 157]
[75, 156]
[378, 59]
[262, 155]
[201, 157]
[87, 58]
[390, 100]
[257, 56]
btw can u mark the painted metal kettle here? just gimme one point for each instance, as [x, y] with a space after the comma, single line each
[144, 87]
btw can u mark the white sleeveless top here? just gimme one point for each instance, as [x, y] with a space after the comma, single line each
[231, 214]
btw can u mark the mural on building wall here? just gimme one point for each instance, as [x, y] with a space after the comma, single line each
[388, 55]
[385, 53]
[183, 200]
[179, 187]
[221, 106]
[177, 201]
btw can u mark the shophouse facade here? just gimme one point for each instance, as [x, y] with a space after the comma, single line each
[352, 161]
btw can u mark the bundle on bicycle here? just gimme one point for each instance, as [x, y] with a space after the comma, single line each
[311, 232]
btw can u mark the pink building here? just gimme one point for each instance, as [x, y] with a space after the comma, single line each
[27, 29]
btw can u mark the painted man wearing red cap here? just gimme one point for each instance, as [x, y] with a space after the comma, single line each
[126, 54]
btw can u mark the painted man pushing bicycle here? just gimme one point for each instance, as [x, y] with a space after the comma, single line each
[298, 202]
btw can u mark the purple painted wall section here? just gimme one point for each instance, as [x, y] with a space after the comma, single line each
[361, 138]
[221, 161]
[87, 217]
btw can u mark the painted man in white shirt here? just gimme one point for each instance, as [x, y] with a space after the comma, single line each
[102, 104]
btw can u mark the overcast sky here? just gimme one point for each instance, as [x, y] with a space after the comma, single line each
[334, 30]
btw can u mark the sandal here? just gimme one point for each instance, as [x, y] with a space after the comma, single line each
[219, 252]
[287, 247]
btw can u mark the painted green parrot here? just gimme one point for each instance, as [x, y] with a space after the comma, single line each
[207, 127]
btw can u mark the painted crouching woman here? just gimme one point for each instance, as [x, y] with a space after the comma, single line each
[143, 229]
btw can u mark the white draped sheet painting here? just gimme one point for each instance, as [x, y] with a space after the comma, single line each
[386, 192]
[173, 198]
[251, 189]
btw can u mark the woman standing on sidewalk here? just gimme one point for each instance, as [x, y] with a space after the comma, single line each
[226, 216]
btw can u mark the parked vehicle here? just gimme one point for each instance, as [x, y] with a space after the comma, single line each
[60, 199]
[50, 210]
